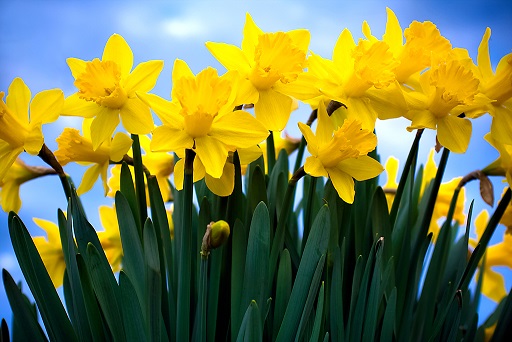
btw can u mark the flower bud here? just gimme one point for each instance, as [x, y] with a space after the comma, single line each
[219, 233]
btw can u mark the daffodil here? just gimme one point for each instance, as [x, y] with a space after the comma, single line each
[391, 185]
[340, 153]
[50, 250]
[445, 88]
[201, 118]
[354, 70]
[110, 238]
[74, 147]
[272, 66]
[159, 164]
[498, 87]
[493, 285]
[107, 91]
[21, 119]
[18, 173]
[502, 166]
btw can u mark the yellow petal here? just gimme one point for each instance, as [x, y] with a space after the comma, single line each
[250, 39]
[493, 285]
[18, 99]
[393, 35]
[304, 87]
[166, 110]
[230, 56]
[250, 154]
[103, 126]
[168, 139]
[75, 106]
[136, 117]
[301, 38]
[224, 185]
[213, 155]
[118, 51]
[342, 54]
[238, 129]
[361, 168]
[34, 140]
[392, 173]
[89, 178]
[454, 133]
[10, 195]
[421, 119]
[501, 126]
[273, 109]
[179, 169]
[143, 78]
[325, 127]
[484, 59]
[77, 66]
[360, 108]
[119, 146]
[46, 106]
[7, 157]
[343, 183]
[311, 139]
[313, 166]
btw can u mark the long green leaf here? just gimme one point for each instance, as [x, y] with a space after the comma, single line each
[283, 290]
[153, 282]
[133, 318]
[315, 335]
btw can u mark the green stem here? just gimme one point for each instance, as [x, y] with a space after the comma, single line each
[203, 295]
[184, 275]
[271, 152]
[140, 188]
[413, 154]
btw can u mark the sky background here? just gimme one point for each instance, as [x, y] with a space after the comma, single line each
[37, 37]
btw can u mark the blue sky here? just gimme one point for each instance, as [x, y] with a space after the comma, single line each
[38, 36]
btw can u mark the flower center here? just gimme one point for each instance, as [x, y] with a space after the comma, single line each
[101, 83]
[276, 59]
[75, 148]
[349, 141]
[198, 124]
[454, 85]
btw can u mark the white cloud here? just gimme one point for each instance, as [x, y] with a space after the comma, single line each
[184, 27]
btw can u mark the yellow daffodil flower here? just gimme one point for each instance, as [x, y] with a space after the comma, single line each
[201, 118]
[354, 70]
[159, 164]
[502, 166]
[340, 153]
[493, 285]
[498, 87]
[271, 65]
[391, 185]
[18, 173]
[21, 120]
[107, 91]
[445, 88]
[74, 147]
[50, 250]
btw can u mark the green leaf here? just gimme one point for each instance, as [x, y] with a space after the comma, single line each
[106, 290]
[315, 247]
[388, 322]
[54, 316]
[239, 250]
[140, 188]
[283, 290]
[127, 188]
[255, 283]
[250, 329]
[133, 318]
[21, 310]
[315, 335]
[153, 282]
[133, 258]
[256, 193]
[337, 325]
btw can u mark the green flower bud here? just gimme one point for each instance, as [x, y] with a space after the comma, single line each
[216, 234]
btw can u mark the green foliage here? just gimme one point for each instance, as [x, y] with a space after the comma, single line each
[359, 272]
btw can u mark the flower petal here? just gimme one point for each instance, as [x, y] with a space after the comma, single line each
[7, 157]
[89, 178]
[250, 39]
[501, 126]
[421, 119]
[103, 126]
[311, 139]
[224, 185]
[342, 54]
[393, 35]
[179, 174]
[238, 129]
[77, 66]
[361, 168]
[343, 183]
[166, 110]
[454, 133]
[119, 146]
[34, 139]
[273, 109]
[325, 126]
[301, 38]
[230, 56]
[484, 59]
[10, 196]
[75, 106]
[168, 139]
[18, 99]
[143, 78]
[213, 154]
[118, 51]
[136, 117]
[46, 106]
[314, 167]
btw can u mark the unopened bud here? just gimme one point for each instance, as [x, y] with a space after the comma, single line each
[216, 234]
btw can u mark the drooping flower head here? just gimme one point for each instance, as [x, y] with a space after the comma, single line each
[340, 153]
[271, 64]
[107, 91]
[502, 166]
[21, 119]
[201, 118]
[74, 147]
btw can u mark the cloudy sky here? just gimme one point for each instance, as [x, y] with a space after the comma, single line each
[38, 36]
